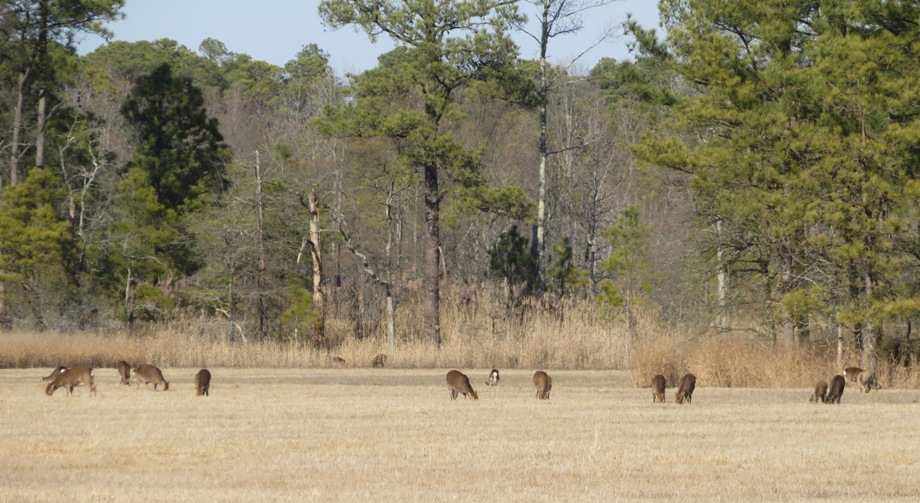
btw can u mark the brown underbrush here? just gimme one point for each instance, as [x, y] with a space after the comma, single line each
[742, 361]
[567, 336]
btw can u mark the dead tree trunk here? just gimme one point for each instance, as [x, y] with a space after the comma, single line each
[260, 282]
[319, 301]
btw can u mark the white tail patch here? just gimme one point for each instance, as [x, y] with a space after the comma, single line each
[92, 372]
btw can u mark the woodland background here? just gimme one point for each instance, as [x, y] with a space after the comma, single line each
[750, 178]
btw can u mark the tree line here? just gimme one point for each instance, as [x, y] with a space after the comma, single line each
[751, 169]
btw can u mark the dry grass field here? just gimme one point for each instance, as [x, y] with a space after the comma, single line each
[394, 435]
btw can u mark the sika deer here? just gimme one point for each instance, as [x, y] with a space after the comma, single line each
[543, 384]
[124, 372]
[202, 382]
[820, 393]
[71, 378]
[851, 374]
[838, 383]
[458, 383]
[149, 374]
[658, 385]
[493, 378]
[867, 381]
[380, 361]
[54, 373]
[685, 390]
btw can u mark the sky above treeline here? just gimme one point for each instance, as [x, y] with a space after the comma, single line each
[275, 30]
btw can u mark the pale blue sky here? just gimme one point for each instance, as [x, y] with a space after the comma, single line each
[275, 30]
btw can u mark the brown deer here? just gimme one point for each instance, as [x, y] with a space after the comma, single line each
[202, 382]
[149, 374]
[543, 384]
[838, 383]
[493, 378]
[71, 378]
[685, 390]
[658, 385]
[867, 381]
[820, 392]
[54, 373]
[380, 361]
[124, 371]
[338, 360]
[851, 374]
[458, 383]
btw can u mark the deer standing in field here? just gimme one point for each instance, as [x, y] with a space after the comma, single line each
[458, 383]
[71, 378]
[124, 372]
[380, 361]
[493, 378]
[202, 382]
[867, 381]
[149, 374]
[54, 373]
[543, 383]
[851, 374]
[838, 383]
[658, 385]
[685, 390]
[820, 393]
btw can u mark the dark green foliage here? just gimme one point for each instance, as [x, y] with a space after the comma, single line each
[801, 142]
[510, 260]
[179, 147]
[38, 250]
[562, 276]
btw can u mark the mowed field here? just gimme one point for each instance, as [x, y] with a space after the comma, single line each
[394, 435]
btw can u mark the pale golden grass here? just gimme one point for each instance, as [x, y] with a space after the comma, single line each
[535, 342]
[393, 435]
[732, 360]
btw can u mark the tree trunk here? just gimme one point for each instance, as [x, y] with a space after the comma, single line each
[40, 135]
[539, 248]
[260, 282]
[788, 323]
[391, 318]
[432, 275]
[839, 346]
[15, 145]
[869, 356]
[319, 300]
[722, 281]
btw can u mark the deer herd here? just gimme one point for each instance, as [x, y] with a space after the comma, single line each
[457, 382]
[70, 378]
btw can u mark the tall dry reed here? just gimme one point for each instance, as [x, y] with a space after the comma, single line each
[483, 334]
[733, 360]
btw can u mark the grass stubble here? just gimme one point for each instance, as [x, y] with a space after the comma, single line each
[362, 434]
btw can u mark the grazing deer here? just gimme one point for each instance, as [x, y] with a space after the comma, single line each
[149, 374]
[493, 378]
[459, 383]
[851, 374]
[338, 360]
[124, 371]
[54, 373]
[867, 381]
[543, 384]
[820, 393]
[685, 390]
[380, 361]
[202, 382]
[658, 385]
[838, 383]
[70, 378]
